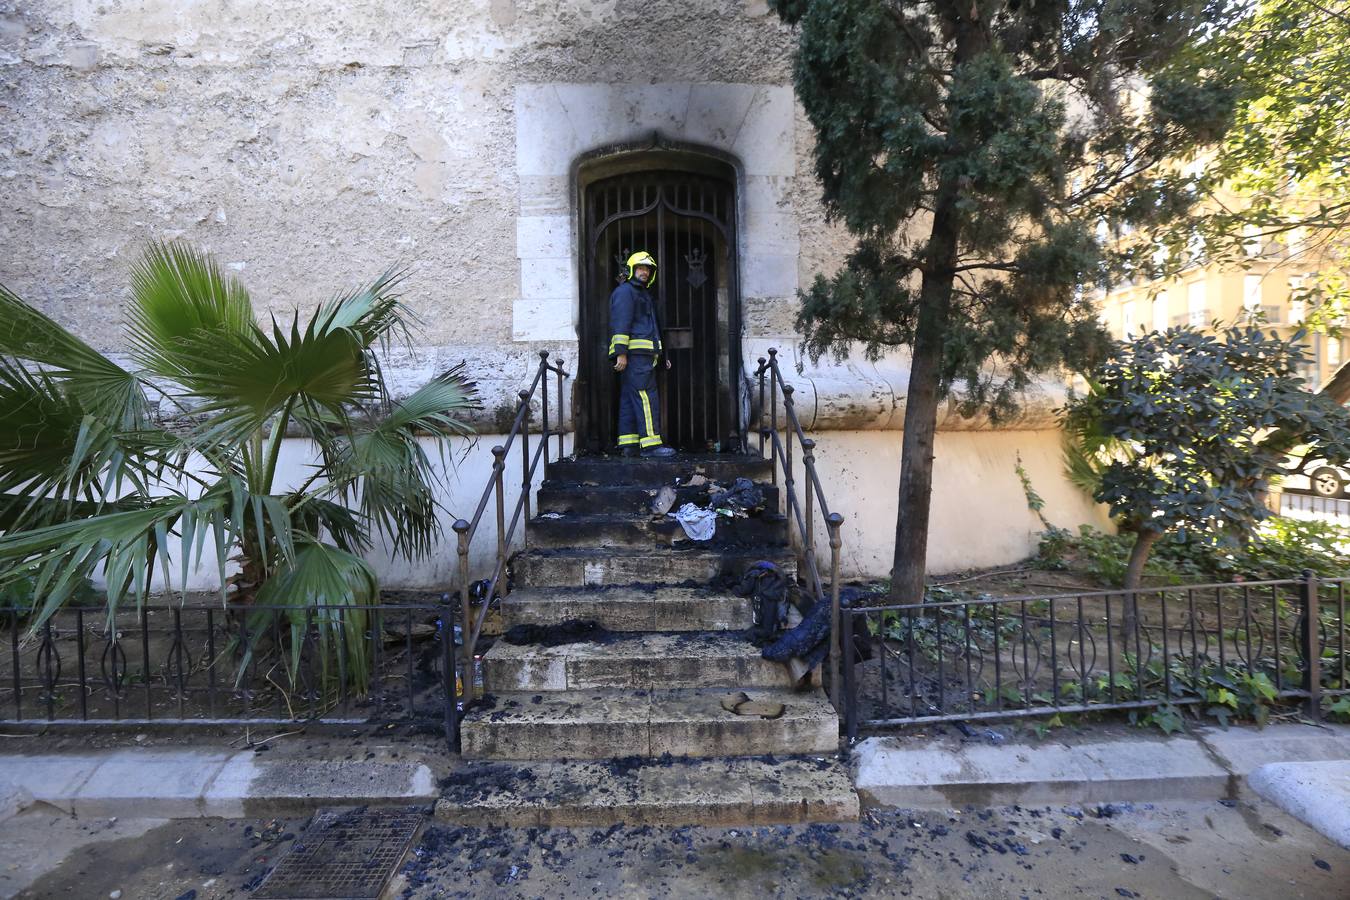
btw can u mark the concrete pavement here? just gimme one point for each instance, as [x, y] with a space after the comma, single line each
[185, 783]
[1303, 769]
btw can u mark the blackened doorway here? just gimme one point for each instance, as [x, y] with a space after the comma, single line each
[686, 218]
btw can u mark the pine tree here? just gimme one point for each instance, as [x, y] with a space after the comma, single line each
[974, 149]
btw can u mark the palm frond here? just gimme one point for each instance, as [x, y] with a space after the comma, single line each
[373, 311]
[54, 452]
[179, 292]
[127, 543]
[242, 374]
[387, 469]
[320, 516]
[325, 591]
[103, 388]
[433, 408]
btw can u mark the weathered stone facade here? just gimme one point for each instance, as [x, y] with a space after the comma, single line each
[312, 145]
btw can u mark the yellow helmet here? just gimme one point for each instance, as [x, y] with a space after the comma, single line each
[642, 258]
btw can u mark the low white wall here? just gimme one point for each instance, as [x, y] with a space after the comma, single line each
[465, 472]
[979, 517]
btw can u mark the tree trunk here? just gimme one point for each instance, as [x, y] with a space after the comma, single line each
[916, 451]
[1338, 385]
[1134, 573]
[910, 559]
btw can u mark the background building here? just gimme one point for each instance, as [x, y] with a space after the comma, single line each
[1270, 288]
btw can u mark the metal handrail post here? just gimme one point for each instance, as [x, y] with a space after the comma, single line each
[543, 395]
[760, 409]
[834, 522]
[789, 474]
[561, 408]
[498, 468]
[809, 463]
[525, 463]
[449, 672]
[773, 406]
[466, 610]
[1312, 644]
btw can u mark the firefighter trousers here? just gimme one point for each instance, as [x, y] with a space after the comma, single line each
[639, 405]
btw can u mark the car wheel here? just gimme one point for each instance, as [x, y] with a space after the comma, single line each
[1327, 483]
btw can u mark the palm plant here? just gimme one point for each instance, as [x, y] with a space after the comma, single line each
[92, 478]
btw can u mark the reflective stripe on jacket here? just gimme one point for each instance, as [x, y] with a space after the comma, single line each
[632, 321]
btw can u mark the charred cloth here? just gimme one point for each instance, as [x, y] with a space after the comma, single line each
[767, 587]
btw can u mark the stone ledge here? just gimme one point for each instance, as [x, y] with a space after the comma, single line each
[673, 791]
[940, 773]
[210, 783]
[1315, 793]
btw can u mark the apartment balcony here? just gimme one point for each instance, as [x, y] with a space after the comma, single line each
[1267, 314]
[1196, 318]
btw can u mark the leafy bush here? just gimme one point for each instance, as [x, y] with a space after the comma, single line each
[1280, 548]
[1105, 557]
[92, 478]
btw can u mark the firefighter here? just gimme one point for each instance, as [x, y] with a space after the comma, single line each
[635, 347]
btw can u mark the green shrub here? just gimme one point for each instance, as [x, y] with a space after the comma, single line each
[1103, 557]
[1280, 548]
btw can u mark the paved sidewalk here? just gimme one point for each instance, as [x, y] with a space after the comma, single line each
[186, 783]
[1303, 769]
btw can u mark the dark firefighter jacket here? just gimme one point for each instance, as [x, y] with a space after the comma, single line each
[632, 321]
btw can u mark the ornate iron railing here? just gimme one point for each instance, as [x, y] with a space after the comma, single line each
[801, 514]
[1007, 657]
[200, 664]
[475, 613]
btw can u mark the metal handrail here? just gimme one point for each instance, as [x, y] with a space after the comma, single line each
[472, 624]
[802, 516]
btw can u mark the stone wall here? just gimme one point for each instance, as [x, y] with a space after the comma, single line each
[312, 145]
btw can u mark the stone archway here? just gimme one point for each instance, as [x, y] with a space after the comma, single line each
[558, 125]
[681, 206]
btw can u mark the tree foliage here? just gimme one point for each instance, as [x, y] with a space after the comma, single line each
[1278, 183]
[1189, 418]
[973, 149]
[91, 481]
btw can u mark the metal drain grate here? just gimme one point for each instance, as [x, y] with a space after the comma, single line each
[343, 855]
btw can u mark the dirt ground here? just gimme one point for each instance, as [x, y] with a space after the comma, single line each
[1172, 850]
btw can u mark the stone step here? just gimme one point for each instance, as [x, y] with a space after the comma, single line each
[560, 530]
[627, 661]
[592, 567]
[625, 608]
[667, 791]
[602, 724]
[720, 467]
[590, 499]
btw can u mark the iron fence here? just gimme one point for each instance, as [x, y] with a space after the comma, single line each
[1006, 657]
[208, 665]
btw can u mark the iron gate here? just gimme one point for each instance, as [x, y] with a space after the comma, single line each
[687, 221]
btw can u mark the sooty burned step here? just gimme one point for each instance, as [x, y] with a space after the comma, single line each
[612, 470]
[642, 530]
[625, 661]
[677, 566]
[599, 724]
[665, 791]
[629, 608]
[595, 499]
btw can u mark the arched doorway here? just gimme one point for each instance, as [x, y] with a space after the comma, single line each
[681, 207]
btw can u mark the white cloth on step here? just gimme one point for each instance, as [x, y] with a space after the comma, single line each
[698, 523]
